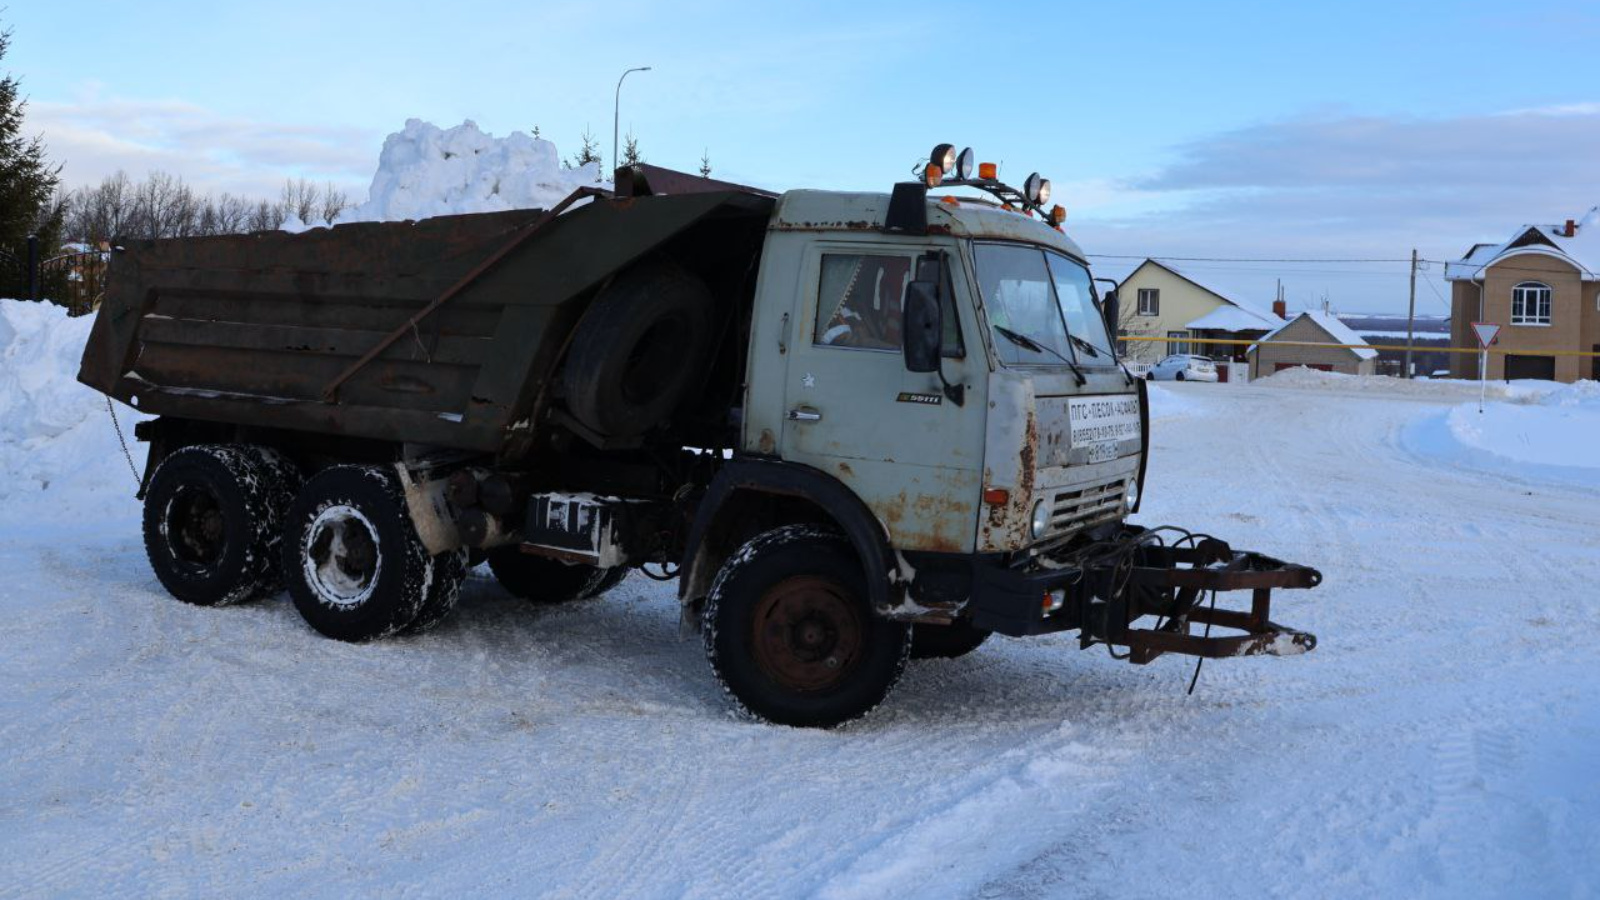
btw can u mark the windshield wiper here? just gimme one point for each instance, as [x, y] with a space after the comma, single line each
[1028, 343]
[1084, 345]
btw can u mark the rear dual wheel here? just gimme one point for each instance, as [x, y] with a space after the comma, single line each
[354, 564]
[213, 522]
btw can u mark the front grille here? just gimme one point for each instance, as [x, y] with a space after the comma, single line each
[1072, 510]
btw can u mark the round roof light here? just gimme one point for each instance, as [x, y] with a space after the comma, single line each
[1030, 188]
[1044, 193]
[944, 156]
[965, 163]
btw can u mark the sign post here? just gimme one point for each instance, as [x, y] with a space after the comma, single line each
[1486, 332]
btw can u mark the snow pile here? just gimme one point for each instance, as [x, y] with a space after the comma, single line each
[59, 455]
[1540, 430]
[1302, 378]
[428, 171]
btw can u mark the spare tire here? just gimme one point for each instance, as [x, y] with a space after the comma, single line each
[640, 348]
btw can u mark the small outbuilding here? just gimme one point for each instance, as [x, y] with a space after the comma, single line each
[1285, 347]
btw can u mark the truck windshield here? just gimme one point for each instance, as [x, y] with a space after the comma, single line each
[1045, 299]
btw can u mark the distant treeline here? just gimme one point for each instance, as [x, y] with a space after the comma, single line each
[163, 206]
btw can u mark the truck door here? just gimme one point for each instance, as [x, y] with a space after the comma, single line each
[853, 411]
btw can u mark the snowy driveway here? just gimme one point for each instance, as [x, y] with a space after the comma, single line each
[1441, 741]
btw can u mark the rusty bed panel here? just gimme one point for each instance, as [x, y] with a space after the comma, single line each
[254, 329]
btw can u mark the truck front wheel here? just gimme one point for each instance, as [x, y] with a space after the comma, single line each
[791, 636]
[355, 567]
[547, 581]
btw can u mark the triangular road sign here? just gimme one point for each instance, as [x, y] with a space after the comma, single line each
[1486, 332]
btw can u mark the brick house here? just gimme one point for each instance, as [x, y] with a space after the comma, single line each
[1543, 288]
[1283, 348]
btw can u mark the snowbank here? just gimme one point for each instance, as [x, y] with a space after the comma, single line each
[1166, 403]
[59, 456]
[1540, 430]
[1302, 378]
[428, 171]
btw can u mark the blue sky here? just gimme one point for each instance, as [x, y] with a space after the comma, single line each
[1180, 129]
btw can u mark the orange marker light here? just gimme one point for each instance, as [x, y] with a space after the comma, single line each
[932, 175]
[1058, 214]
[988, 170]
[997, 496]
[950, 200]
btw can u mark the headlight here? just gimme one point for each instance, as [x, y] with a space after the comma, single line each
[944, 156]
[964, 164]
[1041, 519]
[1133, 494]
[1044, 192]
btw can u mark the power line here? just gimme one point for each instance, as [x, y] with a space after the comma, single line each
[1238, 259]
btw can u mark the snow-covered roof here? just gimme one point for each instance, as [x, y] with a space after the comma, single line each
[1339, 331]
[1581, 248]
[1233, 315]
[1229, 317]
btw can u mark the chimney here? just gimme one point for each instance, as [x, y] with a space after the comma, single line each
[1280, 309]
[1571, 229]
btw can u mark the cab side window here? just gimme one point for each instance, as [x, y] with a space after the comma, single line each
[860, 299]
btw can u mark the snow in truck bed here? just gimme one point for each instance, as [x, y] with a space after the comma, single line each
[1439, 742]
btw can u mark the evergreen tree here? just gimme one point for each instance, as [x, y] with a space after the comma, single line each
[27, 180]
[705, 164]
[589, 153]
[630, 151]
[536, 131]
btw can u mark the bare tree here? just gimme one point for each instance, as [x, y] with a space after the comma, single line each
[100, 213]
[301, 199]
[265, 216]
[334, 202]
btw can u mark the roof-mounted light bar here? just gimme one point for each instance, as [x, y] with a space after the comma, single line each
[947, 168]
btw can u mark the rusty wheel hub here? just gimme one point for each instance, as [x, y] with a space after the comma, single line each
[809, 633]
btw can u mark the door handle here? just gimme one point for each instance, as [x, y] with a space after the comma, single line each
[804, 415]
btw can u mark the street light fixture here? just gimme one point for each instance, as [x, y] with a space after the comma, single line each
[616, 114]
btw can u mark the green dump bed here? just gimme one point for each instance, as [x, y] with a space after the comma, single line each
[259, 329]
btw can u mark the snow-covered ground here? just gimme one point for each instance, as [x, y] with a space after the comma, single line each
[1441, 741]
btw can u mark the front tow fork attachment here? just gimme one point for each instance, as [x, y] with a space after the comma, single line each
[1176, 583]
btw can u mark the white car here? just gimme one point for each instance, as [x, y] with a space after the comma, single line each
[1183, 367]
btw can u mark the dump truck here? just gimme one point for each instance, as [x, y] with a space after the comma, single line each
[856, 428]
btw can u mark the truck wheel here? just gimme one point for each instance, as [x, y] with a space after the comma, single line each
[449, 570]
[946, 641]
[355, 567]
[547, 581]
[213, 522]
[789, 633]
[639, 349]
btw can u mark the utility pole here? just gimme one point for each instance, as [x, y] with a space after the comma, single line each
[616, 114]
[1411, 316]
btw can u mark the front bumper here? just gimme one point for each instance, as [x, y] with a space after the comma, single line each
[1105, 587]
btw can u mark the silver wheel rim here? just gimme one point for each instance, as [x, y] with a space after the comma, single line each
[340, 556]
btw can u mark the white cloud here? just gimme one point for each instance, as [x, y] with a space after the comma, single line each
[97, 135]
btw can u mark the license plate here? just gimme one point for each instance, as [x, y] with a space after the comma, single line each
[1101, 424]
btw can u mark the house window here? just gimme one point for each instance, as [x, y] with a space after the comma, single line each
[1178, 342]
[1149, 301]
[1530, 304]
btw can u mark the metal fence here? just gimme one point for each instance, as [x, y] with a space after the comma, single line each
[75, 280]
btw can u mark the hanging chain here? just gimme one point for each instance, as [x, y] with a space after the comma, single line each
[137, 478]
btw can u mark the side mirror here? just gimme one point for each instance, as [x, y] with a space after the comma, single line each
[922, 331]
[1108, 306]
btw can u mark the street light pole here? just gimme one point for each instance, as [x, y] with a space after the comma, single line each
[616, 114]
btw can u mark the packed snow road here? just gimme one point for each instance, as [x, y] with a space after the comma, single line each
[1439, 742]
